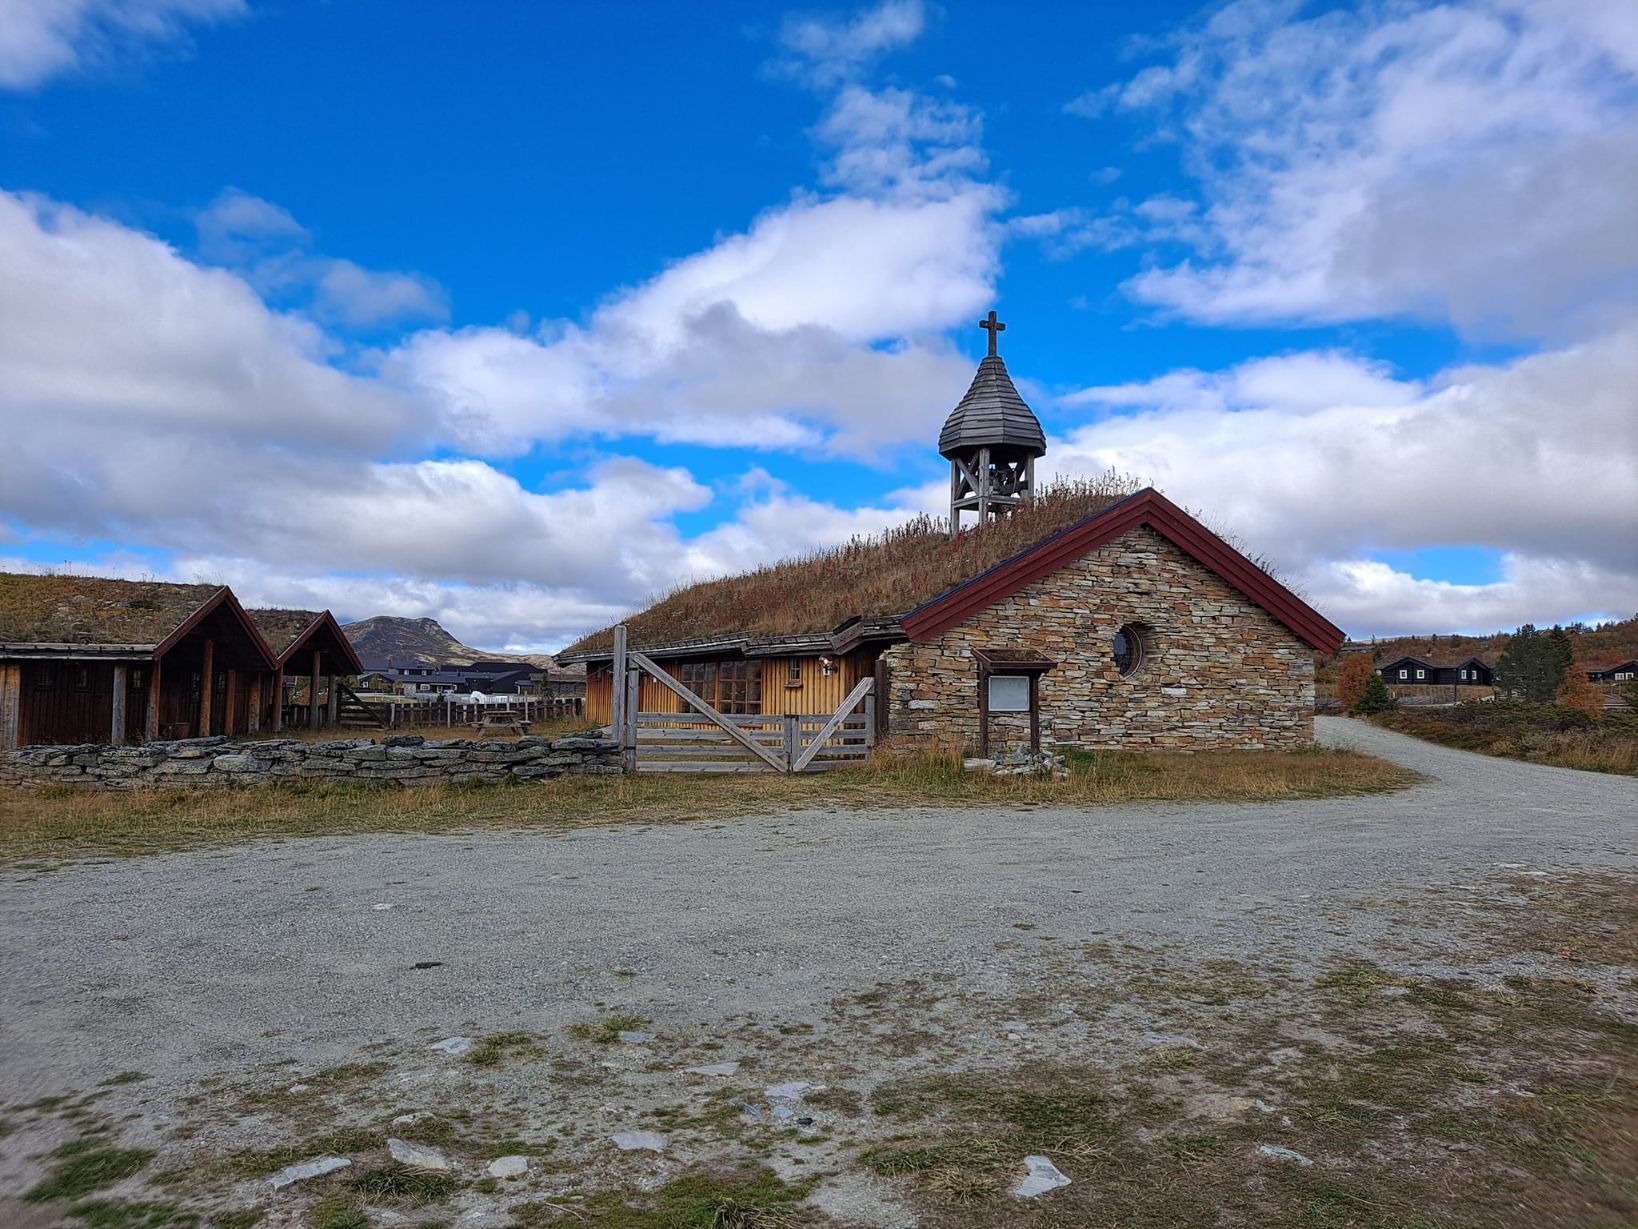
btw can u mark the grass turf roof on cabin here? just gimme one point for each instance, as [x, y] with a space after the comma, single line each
[37, 609]
[886, 575]
[281, 628]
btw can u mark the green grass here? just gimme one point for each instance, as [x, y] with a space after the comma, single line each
[607, 1030]
[86, 1165]
[402, 1185]
[114, 1214]
[496, 1047]
[736, 1199]
[339, 1212]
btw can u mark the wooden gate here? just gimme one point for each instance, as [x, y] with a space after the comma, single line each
[701, 739]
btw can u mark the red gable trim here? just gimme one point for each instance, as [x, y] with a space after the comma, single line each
[222, 596]
[1147, 508]
[325, 620]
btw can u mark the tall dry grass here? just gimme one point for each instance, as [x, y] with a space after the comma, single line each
[66, 822]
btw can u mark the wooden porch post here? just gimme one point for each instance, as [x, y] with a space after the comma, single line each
[207, 688]
[312, 694]
[231, 700]
[116, 732]
[278, 700]
[152, 732]
[253, 707]
[617, 685]
[11, 699]
[334, 716]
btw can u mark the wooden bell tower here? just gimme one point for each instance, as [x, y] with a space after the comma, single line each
[991, 439]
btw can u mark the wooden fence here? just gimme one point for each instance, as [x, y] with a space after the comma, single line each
[687, 742]
[456, 712]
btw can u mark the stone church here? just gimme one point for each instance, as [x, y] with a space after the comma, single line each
[1082, 614]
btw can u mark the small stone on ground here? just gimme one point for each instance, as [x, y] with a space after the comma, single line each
[639, 1141]
[453, 1045]
[418, 1156]
[714, 1069]
[308, 1169]
[1284, 1154]
[508, 1167]
[1043, 1176]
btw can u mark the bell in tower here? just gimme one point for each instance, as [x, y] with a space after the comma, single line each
[991, 440]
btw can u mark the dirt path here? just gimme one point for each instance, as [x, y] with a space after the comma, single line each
[771, 939]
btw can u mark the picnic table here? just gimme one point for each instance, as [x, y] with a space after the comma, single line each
[502, 719]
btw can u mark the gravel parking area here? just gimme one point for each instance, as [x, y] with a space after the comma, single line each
[312, 953]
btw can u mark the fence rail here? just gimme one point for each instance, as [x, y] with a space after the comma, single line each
[687, 742]
[454, 712]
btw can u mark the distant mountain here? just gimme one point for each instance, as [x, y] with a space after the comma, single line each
[423, 642]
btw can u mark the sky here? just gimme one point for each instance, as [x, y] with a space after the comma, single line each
[518, 316]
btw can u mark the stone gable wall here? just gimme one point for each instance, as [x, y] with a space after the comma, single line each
[221, 761]
[1218, 670]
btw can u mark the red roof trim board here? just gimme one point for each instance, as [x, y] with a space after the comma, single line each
[325, 619]
[1148, 508]
[221, 596]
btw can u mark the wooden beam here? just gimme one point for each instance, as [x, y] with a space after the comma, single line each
[207, 689]
[312, 693]
[231, 700]
[116, 730]
[617, 685]
[334, 715]
[278, 700]
[253, 705]
[11, 700]
[825, 731]
[776, 762]
[152, 731]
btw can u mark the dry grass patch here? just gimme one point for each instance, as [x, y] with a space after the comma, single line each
[68, 822]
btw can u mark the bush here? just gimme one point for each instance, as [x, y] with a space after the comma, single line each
[1357, 671]
[1376, 698]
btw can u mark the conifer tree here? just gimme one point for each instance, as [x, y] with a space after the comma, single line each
[1376, 698]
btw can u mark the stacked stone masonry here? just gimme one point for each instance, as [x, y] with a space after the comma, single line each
[405, 759]
[1218, 671]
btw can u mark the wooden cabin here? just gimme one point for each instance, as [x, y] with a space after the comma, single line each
[307, 644]
[93, 660]
[1470, 671]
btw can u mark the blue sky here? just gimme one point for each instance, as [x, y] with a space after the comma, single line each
[519, 319]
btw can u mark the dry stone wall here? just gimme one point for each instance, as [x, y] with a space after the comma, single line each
[1218, 671]
[405, 758]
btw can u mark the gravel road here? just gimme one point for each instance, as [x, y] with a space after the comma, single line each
[188, 964]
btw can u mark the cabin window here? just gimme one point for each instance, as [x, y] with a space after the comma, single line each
[793, 677]
[82, 678]
[45, 678]
[729, 686]
[1009, 693]
[138, 679]
[1464, 674]
[1421, 674]
[1129, 650]
[1404, 674]
[1622, 676]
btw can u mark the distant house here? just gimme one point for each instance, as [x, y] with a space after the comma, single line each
[88, 659]
[1470, 671]
[491, 678]
[1612, 671]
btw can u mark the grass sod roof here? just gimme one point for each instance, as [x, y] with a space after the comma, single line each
[888, 574]
[281, 628]
[36, 609]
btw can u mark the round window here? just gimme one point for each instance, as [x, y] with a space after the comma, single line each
[1128, 649]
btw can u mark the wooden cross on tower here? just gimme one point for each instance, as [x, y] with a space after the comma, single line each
[994, 326]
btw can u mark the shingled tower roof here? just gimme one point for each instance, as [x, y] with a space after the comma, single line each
[991, 415]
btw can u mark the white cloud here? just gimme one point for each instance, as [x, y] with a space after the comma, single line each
[1373, 599]
[273, 251]
[41, 39]
[817, 327]
[825, 53]
[1319, 459]
[1472, 162]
